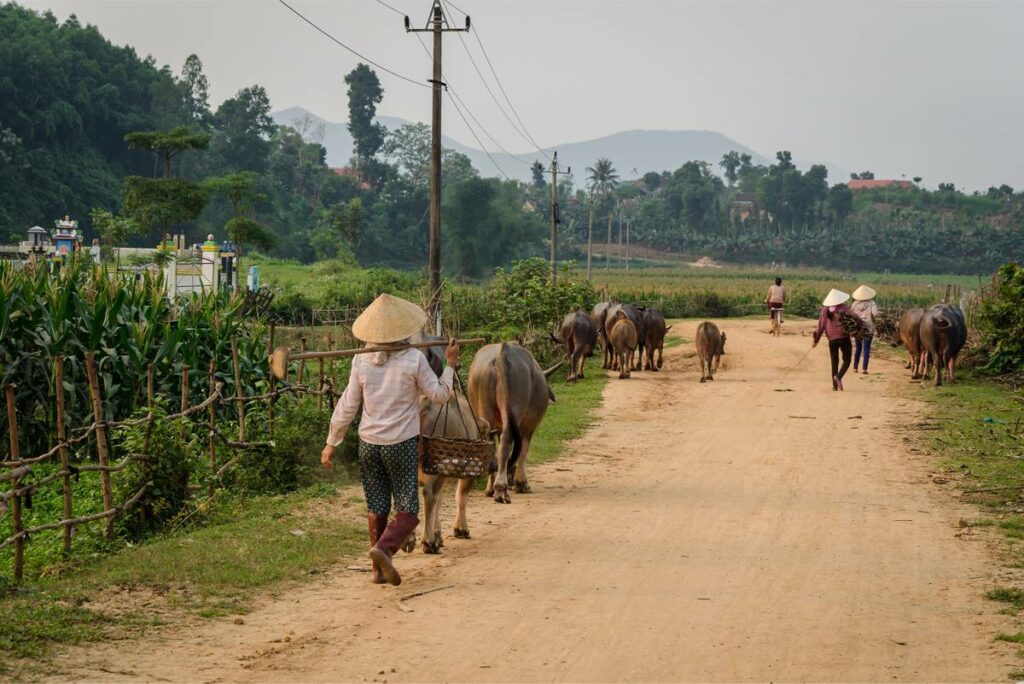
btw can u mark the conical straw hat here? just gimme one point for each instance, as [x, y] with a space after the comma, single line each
[864, 293]
[835, 298]
[389, 319]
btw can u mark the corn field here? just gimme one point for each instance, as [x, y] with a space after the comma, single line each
[119, 399]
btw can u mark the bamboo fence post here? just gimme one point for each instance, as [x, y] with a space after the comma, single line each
[330, 362]
[302, 363]
[273, 385]
[184, 395]
[101, 437]
[17, 527]
[320, 387]
[213, 422]
[150, 421]
[240, 400]
[61, 436]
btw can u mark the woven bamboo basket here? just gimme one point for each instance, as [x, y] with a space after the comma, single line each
[457, 457]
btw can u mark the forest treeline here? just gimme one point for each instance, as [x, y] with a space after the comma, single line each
[134, 149]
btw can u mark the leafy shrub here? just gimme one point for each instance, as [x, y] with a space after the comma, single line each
[523, 298]
[168, 470]
[299, 432]
[1001, 320]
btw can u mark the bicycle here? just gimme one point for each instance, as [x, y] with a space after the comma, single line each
[776, 314]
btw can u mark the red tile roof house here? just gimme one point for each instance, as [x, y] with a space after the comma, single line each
[351, 173]
[878, 184]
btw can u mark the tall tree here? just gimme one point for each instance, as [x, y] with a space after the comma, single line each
[537, 171]
[364, 94]
[602, 180]
[243, 130]
[840, 202]
[166, 145]
[408, 148]
[159, 203]
[195, 90]
[730, 165]
[239, 189]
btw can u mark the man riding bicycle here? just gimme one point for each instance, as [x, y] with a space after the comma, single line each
[775, 300]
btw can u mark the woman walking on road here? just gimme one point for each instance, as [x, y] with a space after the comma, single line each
[388, 385]
[867, 311]
[830, 325]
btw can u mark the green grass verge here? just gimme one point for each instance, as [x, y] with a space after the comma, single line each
[572, 413]
[978, 436]
[242, 545]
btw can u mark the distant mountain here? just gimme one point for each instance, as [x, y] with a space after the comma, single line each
[632, 152]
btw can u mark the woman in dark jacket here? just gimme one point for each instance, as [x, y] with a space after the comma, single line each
[830, 325]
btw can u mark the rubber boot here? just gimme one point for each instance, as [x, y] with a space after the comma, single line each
[377, 523]
[388, 544]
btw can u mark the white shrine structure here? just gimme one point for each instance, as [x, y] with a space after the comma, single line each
[209, 267]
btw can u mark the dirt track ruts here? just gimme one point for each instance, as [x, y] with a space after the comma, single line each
[722, 531]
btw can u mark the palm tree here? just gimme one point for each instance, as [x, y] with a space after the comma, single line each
[602, 180]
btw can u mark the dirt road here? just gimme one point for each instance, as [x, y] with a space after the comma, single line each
[725, 531]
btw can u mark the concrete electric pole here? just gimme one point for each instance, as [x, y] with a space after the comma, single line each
[555, 219]
[438, 25]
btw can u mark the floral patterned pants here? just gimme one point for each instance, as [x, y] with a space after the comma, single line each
[390, 471]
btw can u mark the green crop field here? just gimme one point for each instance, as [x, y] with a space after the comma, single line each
[678, 289]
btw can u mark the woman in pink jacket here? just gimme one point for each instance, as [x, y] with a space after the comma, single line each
[829, 324]
[388, 385]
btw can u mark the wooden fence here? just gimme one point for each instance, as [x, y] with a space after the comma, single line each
[18, 469]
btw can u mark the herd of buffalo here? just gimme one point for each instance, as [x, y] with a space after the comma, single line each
[933, 337]
[508, 392]
[629, 334]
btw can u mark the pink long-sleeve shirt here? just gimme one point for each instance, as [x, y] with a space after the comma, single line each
[831, 327]
[388, 385]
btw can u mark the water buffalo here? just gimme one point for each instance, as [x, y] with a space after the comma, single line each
[943, 333]
[910, 337]
[655, 331]
[510, 391]
[435, 355]
[453, 420]
[579, 337]
[710, 347]
[599, 316]
[624, 339]
[636, 318]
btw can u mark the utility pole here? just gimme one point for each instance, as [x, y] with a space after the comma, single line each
[590, 236]
[629, 223]
[555, 220]
[437, 24]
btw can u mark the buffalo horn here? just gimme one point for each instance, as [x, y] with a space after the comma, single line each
[551, 371]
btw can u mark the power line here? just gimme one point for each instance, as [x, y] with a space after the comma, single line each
[456, 100]
[481, 126]
[490, 92]
[476, 34]
[451, 89]
[500, 170]
[390, 7]
[354, 52]
[524, 133]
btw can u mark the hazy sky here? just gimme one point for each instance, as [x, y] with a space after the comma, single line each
[915, 88]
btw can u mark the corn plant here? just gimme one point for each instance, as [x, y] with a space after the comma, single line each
[129, 323]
